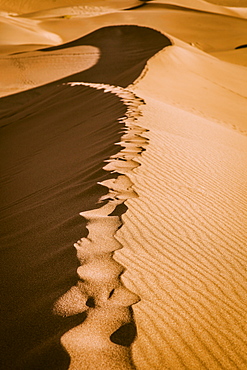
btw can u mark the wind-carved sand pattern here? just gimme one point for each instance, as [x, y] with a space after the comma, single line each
[103, 340]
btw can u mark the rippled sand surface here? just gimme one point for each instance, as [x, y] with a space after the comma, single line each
[123, 191]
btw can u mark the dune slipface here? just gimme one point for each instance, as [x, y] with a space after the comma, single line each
[54, 139]
[41, 164]
[103, 340]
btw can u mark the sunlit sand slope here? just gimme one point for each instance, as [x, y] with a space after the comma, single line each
[197, 82]
[28, 70]
[185, 237]
[27, 6]
[184, 243]
[208, 31]
[200, 5]
[232, 3]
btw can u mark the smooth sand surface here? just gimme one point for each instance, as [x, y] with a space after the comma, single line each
[36, 68]
[233, 3]
[23, 6]
[178, 182]
[189, 77]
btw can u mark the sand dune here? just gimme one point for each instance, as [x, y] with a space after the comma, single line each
[199, 28]
[161, 244]
[181, 24]
[233, 3]
[24, 6]
[29, 34]
[51, 162]
[188, 81]
[185, 252]
[36, 68]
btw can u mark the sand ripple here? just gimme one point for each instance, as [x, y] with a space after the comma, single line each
[184, 242]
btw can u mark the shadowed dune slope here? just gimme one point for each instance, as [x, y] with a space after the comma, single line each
[51, 159]
[135, 45]
[53, 143]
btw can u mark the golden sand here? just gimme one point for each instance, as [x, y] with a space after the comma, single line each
[184, 234]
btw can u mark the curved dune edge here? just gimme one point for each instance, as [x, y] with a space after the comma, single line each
[22, 69]
[65, 25]
[218, 95]
[104, 339]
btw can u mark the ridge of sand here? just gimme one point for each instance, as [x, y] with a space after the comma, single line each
[103, 340]
[185, 24]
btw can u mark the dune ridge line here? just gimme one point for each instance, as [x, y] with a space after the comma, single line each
[104, 339]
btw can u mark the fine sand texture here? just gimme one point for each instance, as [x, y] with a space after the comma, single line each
[123, 187]
[54, 139]
[185, 251]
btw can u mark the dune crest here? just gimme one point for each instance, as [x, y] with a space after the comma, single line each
[104, 339]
